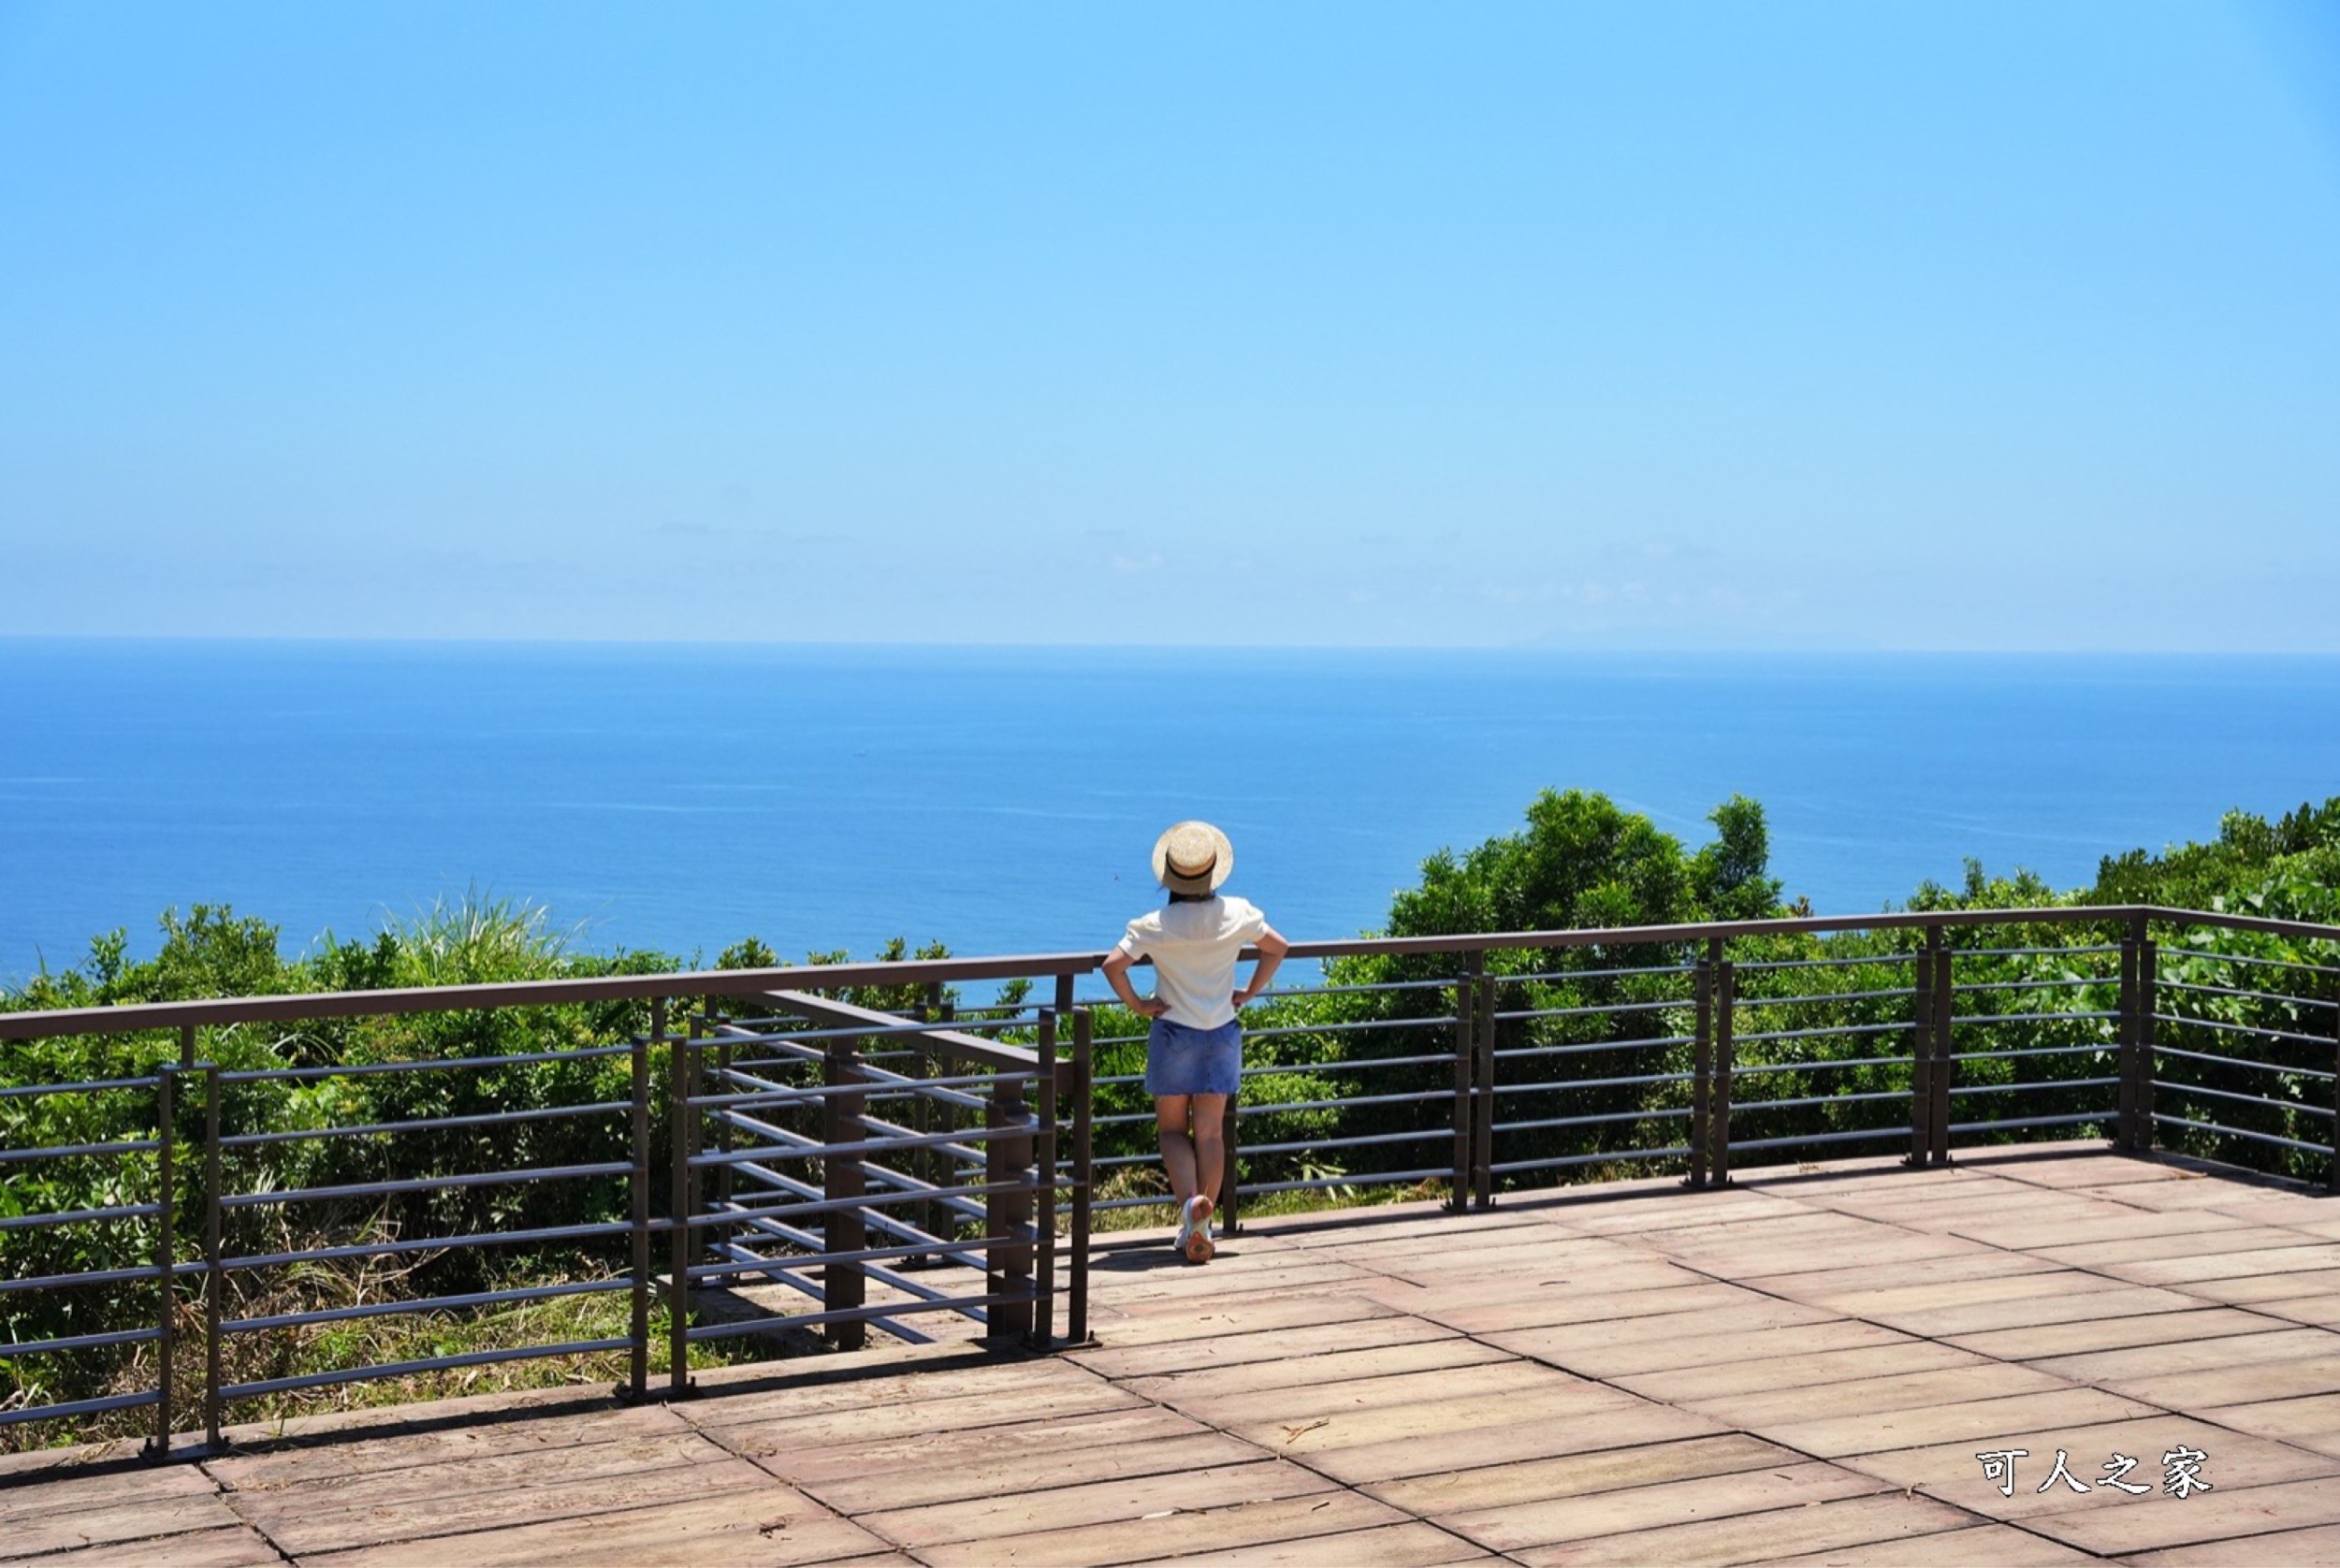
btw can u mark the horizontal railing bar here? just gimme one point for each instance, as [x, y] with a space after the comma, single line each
[1589, 1046]
[1360, 1141]
[1825, 1031]
[425, 1304]
[1271, 1108]
[1558, 1162]
[427, 1183]
[71, 1151]
[2049, 1083]
[1998, 1054]
[1790, 1140]
[1560, 1085]
[1673, 1113]
[2238, 1132]
[1965, 987]
[435, 1123]
[2074, 1120]
[72, 1408]
[2187, 955]
[1761, 1069]
[1311, 1183]
[1803, 1100]
[91, 1086]
[1747, 1001]
[2225, 1028]
[2160, 1049]
[733, 1328]
[2165, 983]
[412, 1369]
[80, 1217]
[1754, 966]
[419, 1064]
[1548, 975]
[78, 1342]
[1595, 1009]
[425, 1244]
[2204, 1089]
[1276, 1031]
[969, 1253]
[2092, 1016]
[95, 1276]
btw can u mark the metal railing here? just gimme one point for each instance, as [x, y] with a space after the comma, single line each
[753, 1154]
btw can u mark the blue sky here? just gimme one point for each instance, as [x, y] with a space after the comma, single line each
[1840, 326]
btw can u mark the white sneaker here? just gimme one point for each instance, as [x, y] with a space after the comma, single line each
[1195, 1230]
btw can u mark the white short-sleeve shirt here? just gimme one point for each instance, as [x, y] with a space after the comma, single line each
[1193, 947]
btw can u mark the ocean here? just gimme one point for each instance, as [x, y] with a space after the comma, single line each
[1005, 800]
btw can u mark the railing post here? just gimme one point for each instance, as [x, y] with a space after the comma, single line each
[1083, 1067]
[1725, 1057]
[1945, 1056]
[1701, 1068]
[1007, 1209]
[2332, 1172]
[844, 1182]
[1922, 1052]
[1466, 1093]
[638, 1195]
[1483, 1088]
[166, 1255]
[682, 1062]
[2149, 959]
[215, 1280]
[2125, 1127]
[1044, 1167]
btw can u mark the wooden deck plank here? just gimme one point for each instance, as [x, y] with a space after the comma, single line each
[1950, 1471]
[1846, 1528]
[1028, 1511]
[732, 1530]
[1412, 1545]
[2221, 1515]
[1874, 1396]
[303, 1522]
[1261, 1346]
[1496, 1486]
[937, 1467]
[2307, 1421]
[2273, 1344]
[1980, 1421]
[154, 1520]
[2315, 1547]
[1757, 1374]
[1981, 1546]
[1308, 1516]
[2038, 1341]
[1483, 1444]
[1517, 1527]
[234, 1547]
[2244, 1385]
[1436, 1355]
[1674, 1353]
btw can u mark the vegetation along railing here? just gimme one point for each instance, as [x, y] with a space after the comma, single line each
[238, 1205]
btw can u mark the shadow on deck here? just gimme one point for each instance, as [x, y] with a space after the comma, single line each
[1801, 1367]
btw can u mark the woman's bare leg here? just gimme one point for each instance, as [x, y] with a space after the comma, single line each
[1210, 1144]
[1177, 1145]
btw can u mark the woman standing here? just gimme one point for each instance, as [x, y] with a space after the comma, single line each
[1194, 1055]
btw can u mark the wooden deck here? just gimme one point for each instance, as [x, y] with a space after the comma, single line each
[1800, 1368]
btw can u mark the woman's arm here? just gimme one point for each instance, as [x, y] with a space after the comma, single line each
[1272, 948]
[1117, 976]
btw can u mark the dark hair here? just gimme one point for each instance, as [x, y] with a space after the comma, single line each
[1177, 898]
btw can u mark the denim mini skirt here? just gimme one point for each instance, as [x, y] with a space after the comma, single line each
[1183, 1061]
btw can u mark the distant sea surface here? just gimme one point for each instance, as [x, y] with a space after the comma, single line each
[1005, 800]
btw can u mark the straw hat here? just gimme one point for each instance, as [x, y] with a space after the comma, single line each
[1193, 857]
